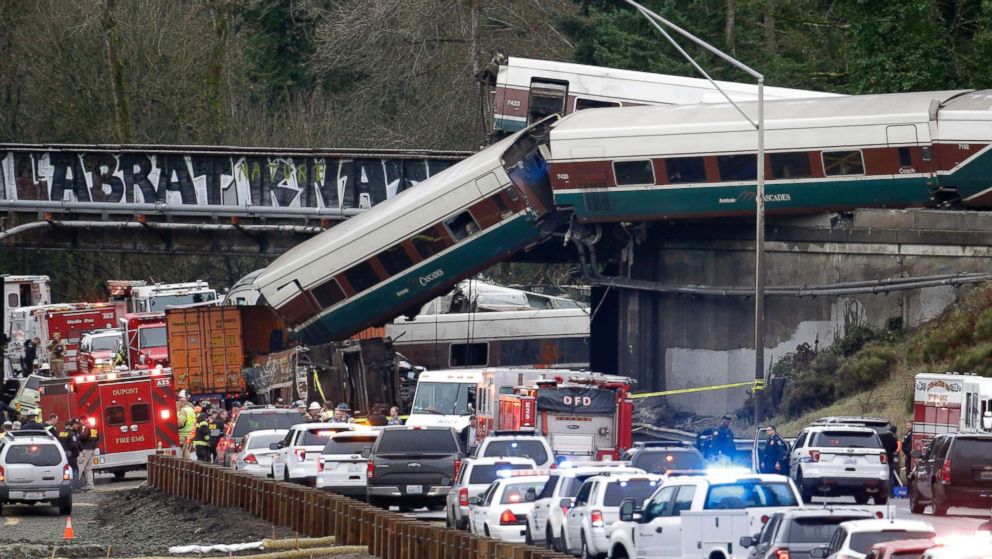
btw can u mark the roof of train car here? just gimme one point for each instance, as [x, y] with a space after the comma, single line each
[629, 122]
[366, 224]
[566, 69]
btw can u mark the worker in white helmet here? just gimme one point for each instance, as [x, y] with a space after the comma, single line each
[313, 413]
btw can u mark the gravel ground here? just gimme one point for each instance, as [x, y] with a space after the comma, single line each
[127, 521]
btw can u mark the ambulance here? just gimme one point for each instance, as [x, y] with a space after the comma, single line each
[950, 403]
[134, 413]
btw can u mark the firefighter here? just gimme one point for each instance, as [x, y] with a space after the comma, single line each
[218, 424]
[201, 438]
[30, 355]
[89, 439]
[341, 414]
[69, 437]
[56, 355]
[186, 420]
[7, 426]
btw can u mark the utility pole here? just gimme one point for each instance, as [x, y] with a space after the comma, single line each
[759, 198]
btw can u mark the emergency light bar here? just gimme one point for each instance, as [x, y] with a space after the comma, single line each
[521, 473]
[120, 375]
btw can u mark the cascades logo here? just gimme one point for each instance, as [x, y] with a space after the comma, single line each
[768, 197]
[424, 280]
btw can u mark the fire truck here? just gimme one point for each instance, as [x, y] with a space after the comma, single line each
[70, 321]
[584, 416]
[139, 297]
[132, 411]
[147, 342]
[950, 403]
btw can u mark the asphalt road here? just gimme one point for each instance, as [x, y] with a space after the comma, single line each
[958, 520]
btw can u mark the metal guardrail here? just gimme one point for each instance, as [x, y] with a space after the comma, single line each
[315, 513]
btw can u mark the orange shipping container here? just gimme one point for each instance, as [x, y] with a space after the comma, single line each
[206, 349]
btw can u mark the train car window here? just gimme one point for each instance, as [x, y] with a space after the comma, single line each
[461, 226]
[469, 355]
[504, 210]
[633, 172]
[843, 163]
[395, 260]
[742, 167]
[685, 169]
[581, 103]
[299, 309]
[905, 157]
[790, 165]
[547, 97]
[328, 293]
[429, 242]
[927, 153]
[361, 277]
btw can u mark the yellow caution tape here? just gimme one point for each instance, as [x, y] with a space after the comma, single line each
[758, 385]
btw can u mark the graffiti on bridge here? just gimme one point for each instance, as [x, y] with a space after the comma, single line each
[310, 181]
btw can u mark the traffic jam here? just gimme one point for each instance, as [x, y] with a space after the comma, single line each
[541, 456]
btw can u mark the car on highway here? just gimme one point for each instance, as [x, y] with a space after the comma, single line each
[524, 444]
[840, 460]
[413, 467]
[904, 549]
[474, 477]
[664, 457]
[855, 538]
[597, 507]
[793, 533]
[298, 451]
[34, 469]
[253, 455]
[545, 524]
[341, 468]
[956, 471]
[501, 511]
[256, 418]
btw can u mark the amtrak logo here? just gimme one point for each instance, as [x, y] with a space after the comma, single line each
[424, 280]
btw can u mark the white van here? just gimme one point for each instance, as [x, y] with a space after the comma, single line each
[445, 398]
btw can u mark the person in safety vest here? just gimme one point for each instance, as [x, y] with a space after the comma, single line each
[186, 420]
[52, 425]
[218, 424]
[69, 437]
[33, 423]
[201, 438]
[89, 438]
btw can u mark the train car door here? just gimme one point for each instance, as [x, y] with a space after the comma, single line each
[547, 97]
[127, 416]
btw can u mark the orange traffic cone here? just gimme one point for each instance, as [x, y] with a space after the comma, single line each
[68, 534]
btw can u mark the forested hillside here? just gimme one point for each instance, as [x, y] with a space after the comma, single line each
[400, 73]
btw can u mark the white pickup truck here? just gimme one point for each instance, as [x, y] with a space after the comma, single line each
[701, 517]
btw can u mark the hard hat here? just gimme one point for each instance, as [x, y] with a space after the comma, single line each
[299, 404]
[182, 394]
[314, 406]
[45, 367]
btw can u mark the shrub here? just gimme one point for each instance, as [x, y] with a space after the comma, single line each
[810, 391]
[866, 369]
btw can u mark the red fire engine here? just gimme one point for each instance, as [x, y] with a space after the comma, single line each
[132, 411]
[70, 321]
[582, 416]
[147, 342]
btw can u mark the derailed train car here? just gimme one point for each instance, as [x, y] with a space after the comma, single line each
[416, 245]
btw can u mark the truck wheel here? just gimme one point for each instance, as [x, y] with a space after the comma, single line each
[584, 550]
[527, 537]
[939, 507]
[914, 506]
[861, 498]
[65, 505]
[881, 499]
[803, 492]
[119, 476]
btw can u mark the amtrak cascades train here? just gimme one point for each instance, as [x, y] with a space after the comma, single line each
[632, 164]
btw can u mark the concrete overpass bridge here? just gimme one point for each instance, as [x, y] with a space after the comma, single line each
[193, 199]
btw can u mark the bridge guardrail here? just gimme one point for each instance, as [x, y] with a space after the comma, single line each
[315, 513]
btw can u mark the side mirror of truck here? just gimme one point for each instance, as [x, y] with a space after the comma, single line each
[746, 541]
[473, 501]
[916, 454]
[818, 552]
[366, 451]
[627, 510]
[531, 495]
[565, 503]
[275, 446]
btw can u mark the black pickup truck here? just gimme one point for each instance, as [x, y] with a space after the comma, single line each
[413, 467]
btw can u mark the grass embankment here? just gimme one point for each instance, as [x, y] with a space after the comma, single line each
[870, 372]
